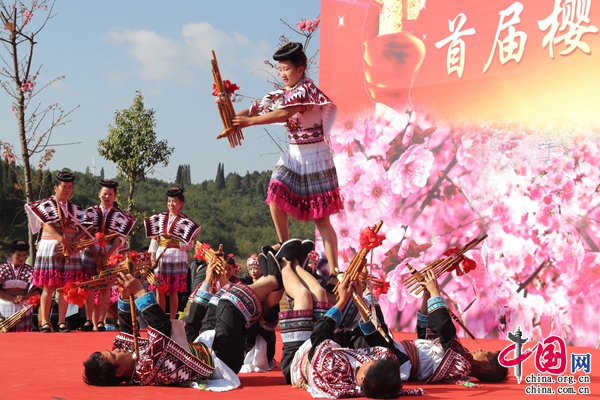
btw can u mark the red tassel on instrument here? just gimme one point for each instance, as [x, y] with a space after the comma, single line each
[73, 294]
[370, 240]
[467, 264]
[35, 300]
[100, 240]
[115, 259]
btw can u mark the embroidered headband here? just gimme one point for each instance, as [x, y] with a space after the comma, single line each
[314, 257]
[252, 261]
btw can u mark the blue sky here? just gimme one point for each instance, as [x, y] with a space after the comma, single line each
[109, 49]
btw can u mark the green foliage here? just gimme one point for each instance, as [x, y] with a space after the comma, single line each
[184, 175]
[132, 145]
[235, 215]
[13, 220]
[220, 179]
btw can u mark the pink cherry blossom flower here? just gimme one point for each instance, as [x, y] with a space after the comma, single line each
[373, 192]
[410, 172]
[346, 131]
[464, 157]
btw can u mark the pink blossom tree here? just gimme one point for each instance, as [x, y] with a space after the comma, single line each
[35, 122]
[539, 204]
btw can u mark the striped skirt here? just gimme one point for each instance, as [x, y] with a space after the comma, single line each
[51, 269]
[304, 183]
[172, 269]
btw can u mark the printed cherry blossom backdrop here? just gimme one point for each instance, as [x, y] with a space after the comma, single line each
[469, 117]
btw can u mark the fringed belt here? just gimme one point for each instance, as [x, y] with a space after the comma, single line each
[172, 243]
[200, 351]
[302, 383]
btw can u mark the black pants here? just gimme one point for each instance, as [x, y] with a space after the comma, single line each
[230, 332]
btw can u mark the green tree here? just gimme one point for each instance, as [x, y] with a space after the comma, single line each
[220, 179]
[183, 176]
[132, 145]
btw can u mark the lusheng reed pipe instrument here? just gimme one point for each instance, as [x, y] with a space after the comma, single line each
[84, 243]
[141, 269]
[225, 106]
[8, 323]
[130, 266]
[356, 272]
[206, 253]
[413, 282]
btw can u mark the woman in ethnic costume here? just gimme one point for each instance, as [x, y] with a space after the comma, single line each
[304, 183]
[16, 286]
[60, 221]
[104, 218]
[173, 234]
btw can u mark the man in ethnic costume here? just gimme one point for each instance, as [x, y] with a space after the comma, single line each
[57, 261]
[215, 357]
[437, 355]
[104, 219]
[260, 338]
[311, 359]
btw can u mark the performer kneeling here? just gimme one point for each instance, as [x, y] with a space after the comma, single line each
[217, 355]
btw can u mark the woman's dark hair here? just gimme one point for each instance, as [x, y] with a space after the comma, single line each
[99, 372]
[229, 260]
[108, 183]
[176, 192]
[382, 380]
[18, 245]
[63, 176]
[293, 53]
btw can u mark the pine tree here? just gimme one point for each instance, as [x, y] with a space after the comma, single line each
[102, 173]
[220, 179]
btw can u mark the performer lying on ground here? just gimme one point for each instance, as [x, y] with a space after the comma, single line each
[262, 330]
[440, 360]
[217, 355]
[304, 183]
[309, 353]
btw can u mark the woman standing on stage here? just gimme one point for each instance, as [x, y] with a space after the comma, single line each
[16, 286]
[172, 236]
[304, 183]
[104, 218]
[57, 261]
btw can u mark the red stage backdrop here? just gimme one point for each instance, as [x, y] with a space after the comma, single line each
[469, 117]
